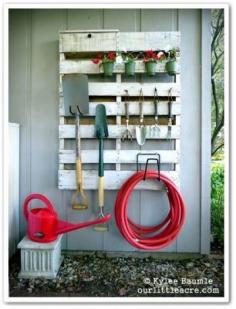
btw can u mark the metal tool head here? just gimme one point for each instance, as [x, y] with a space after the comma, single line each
[75, 91]
[101, 121]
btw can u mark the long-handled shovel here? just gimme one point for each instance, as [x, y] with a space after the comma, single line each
[75, 90]
[101, 133]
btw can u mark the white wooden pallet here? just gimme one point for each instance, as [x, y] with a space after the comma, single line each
[76, 48]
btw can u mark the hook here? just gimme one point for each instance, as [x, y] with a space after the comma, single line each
[78, 110]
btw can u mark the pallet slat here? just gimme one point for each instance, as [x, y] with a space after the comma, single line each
[115, 131]
[117, 156]
[113, 180]
[114, 109]
[118, 89]
[108, 41]
[88, 67]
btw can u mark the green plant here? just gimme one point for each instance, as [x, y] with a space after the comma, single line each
[217, 203]
[171, 54]
[128, 57]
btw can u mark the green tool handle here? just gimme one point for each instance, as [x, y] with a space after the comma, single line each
[100, 166]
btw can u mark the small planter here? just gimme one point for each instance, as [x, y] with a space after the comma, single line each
[108, 68]
[130, 68]
[150, 67]
[171, 67]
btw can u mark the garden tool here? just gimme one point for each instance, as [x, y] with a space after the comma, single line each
[43, 224]
[155, 130]
[127, 133]
[101, 133]
[141, 130]
[169, 114]
[76, 102]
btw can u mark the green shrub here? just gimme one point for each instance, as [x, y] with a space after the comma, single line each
[217, 203]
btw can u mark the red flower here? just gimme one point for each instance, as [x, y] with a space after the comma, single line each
[96, 61]
[111, 56]
[150, 54]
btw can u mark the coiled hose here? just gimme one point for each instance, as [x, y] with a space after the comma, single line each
[153, 237]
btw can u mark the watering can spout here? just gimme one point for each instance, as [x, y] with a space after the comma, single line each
[64, 226]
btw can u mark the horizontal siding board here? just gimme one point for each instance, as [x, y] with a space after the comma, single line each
[115, 131]
[113, 180]
[116, 156]
[88, 67]
[118, 108]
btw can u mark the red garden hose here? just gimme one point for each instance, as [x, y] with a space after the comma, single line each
[153, 237]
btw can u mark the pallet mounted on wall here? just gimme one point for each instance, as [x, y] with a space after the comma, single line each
[77, 48]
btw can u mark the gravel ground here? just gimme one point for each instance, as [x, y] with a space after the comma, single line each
[97, 274]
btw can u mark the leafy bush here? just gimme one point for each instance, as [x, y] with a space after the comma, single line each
[217, 204]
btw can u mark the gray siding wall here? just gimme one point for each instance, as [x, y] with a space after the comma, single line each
[33, 103]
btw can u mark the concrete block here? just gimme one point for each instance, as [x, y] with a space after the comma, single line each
[40, 259]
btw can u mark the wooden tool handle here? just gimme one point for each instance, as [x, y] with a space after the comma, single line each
[78, 172]
[101, 191]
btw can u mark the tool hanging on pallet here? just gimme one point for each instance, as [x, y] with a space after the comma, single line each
[127, 133]
[170, 101]
[155, 130]
[141, 130]
[76, 102]
[101, 133]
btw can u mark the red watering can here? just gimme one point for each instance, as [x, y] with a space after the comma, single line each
[44, 224]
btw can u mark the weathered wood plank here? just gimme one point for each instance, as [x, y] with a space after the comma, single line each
[88, 41]
[114, 109]
[128, 41]
[118, 89]
[88, 67]
[117, 156]
[88, 131]
[113, 180]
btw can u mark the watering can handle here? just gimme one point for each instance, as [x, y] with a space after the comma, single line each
[37, 196]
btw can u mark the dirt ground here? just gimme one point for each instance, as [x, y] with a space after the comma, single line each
[99, 275]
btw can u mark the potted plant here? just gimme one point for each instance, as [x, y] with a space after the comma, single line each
[150, 60]
[129, 60]
[171, 64]
[106, 60]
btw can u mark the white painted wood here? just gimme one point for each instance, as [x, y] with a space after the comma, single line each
[118, 123]
[113, 180]
[70, 66]
[13, 197]
[88, 41]
[113, 108]
[88, 131]
[117, 156]
[141, 41]
[40, 259]
[128, 41]
[118, 89]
